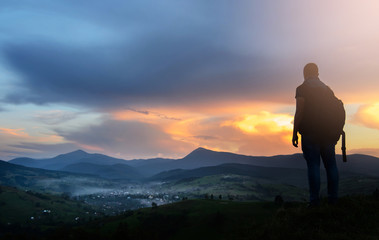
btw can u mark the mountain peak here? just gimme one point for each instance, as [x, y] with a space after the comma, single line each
[75, 154]
[79, 151]
[199, 151]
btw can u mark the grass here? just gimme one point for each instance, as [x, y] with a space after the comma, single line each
[354, 217]
[245, 187]
[191, 219]
[27, 209]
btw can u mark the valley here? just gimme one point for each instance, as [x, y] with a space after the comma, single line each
[112, 186]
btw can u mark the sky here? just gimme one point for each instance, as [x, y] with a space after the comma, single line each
[144, 78]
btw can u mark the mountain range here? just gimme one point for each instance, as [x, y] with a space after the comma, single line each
[48, 180]
[114, 168]
[79, 173]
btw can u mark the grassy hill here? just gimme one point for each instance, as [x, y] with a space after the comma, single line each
[284, 175]
[234, 186]
[291, 184]
[51, 181]
[355, 217]
[28, 209]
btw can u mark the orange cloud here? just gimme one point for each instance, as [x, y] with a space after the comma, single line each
[263, 123]
[15, 142]
[91, 148]
[368, 116]
[263, 133]
[14, 132]
[235, 127]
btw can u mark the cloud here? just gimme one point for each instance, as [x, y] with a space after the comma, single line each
[21, 143]
[18, 133]
[125, 114]
[54, 117]
[38, 150]
[154, 56]
[262, 133]
[128, 139]
[203, 137]
[263, 122]
[52, 73]
[367, 115]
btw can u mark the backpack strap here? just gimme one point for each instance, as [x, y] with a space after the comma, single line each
[343, 147]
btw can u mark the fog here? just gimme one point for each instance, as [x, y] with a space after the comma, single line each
[110, 197]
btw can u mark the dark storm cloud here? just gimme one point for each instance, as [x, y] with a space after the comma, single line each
[158, 56]
[168, 72]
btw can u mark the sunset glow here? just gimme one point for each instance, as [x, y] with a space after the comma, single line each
[14, 132]
[142, 79]
[368, 115]
[265, 122]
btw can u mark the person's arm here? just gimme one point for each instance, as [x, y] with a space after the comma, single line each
[297, 120]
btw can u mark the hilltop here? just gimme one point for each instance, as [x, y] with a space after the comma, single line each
[28, 208]
[355, 217]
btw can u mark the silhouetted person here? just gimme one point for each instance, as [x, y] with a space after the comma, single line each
[315, 142]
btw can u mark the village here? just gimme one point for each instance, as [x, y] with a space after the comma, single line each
[119, 201]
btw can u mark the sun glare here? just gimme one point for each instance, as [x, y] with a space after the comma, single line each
[265, 122]
[372, 112]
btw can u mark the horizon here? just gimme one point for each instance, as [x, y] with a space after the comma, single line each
[185, 155]
[147, 79]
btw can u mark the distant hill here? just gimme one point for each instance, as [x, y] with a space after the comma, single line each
[24, 208]
[296, 177]
[51, 181]
[63, 160]
[291, 176]
[115, 171]
[359, 163]
[201, 157]
[149, 167]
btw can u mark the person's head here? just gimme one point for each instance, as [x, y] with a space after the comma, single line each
[310, 70]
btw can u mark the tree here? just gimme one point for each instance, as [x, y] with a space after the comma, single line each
[279, 200]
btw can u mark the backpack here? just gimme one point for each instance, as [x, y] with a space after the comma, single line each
[332, 119]
[331, 116]
[324, 115]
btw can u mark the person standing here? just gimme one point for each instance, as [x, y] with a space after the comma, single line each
[315, 141]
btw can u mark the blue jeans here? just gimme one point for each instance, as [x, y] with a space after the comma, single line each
[312, 151]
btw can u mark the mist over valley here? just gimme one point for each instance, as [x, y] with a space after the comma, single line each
[115, 185]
